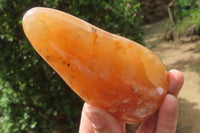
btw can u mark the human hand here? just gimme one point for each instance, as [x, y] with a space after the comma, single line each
[96, 120]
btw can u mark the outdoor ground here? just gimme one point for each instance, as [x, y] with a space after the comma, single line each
[184, 56]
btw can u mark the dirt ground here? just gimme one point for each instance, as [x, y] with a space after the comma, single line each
[186, 58]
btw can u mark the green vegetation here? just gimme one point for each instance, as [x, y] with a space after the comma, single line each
[187, 17]
[190, 24]
[183, 8]
[32, 96]
[195, 69]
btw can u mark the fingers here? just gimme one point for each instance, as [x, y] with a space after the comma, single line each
[96, 120]
[176, 81]
[85, 124]
[149, 126]
[168, 115]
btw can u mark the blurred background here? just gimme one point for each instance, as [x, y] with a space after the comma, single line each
[34, 99]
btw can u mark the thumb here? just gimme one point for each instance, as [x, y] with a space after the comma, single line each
[101, 121]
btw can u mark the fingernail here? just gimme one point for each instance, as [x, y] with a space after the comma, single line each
[94, 117]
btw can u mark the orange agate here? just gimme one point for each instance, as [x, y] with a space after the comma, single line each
[105, 70]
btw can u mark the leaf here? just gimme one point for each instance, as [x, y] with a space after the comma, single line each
[33, 125]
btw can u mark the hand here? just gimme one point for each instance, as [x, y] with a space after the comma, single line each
[96, 120]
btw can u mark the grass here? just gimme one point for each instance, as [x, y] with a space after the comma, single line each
[193, 19]
[162, 57]
[194, 69]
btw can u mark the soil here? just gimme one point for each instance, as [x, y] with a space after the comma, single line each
[186, 58]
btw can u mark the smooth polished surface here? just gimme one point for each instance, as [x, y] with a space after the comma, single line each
[105, 70]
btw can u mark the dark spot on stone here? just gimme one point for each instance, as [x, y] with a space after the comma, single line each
[47, 57]
[71, 77]
[68, 65]
[139, 95]
[94, 30]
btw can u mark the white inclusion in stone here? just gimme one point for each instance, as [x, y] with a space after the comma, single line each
[105, 74]
[160, 90]
[145, 110]
[140, 112]
[139, 102]
[126, 100]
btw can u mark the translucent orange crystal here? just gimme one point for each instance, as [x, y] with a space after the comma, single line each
[105, 70]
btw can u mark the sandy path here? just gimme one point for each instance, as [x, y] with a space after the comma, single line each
[186, 58]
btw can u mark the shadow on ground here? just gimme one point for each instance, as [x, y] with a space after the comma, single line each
[189, 64]
[189, 117]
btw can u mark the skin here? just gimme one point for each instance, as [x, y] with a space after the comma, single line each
[96, 120]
